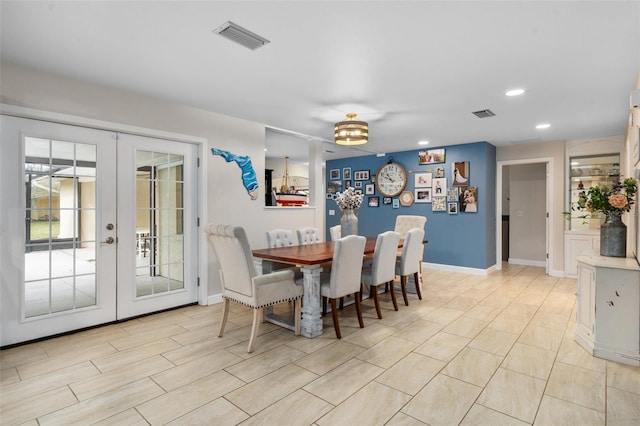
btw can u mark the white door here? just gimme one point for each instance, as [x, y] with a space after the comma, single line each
[157, 229]
[58, 199]
[69, 219]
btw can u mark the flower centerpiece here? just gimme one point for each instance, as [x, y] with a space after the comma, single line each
[349, 202]
[611, 202]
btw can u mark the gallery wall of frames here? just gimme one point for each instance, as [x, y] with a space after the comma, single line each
[453, 187]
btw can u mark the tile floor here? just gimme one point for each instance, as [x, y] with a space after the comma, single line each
[495, 350]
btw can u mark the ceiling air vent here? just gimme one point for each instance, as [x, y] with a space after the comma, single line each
[235, 32]
[484, 113]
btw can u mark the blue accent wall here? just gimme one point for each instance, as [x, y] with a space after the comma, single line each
[463, 239]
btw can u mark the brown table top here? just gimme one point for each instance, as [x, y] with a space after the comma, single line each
[308, 254]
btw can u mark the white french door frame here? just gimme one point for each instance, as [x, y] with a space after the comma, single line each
[17, 324]
[202, 154]
[129, 304]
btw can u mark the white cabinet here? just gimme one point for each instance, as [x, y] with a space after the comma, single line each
[574, 244]
[608, 312]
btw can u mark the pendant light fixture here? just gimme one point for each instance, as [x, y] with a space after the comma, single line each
[351, 131]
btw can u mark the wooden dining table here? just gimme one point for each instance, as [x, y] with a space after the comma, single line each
[310, 258]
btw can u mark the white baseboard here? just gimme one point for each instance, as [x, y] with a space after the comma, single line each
[558, 274]
[214, 299]
[461, 269]
[527, 262]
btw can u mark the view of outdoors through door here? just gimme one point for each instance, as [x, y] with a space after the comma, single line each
[159, 223]
[60, 215]
[97, 226]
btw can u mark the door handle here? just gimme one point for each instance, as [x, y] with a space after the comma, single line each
[110, 240]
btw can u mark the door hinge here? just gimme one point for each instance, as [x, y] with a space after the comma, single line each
[198, 162]
[547, 214]
[547, 255]
[198, 281]
[198, 222]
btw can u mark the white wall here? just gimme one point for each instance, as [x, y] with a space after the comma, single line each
[527, 213]
[226, 200]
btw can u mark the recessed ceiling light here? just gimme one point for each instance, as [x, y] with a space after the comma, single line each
[423, 143]
[515, 92]
[543, 126]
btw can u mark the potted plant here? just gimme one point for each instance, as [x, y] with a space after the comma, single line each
[611, 202]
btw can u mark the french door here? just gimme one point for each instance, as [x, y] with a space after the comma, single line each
[74, 205]
[156, 224]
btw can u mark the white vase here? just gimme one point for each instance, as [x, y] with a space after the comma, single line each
[348, 223]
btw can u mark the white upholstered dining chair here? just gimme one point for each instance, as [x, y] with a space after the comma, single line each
[280, 238]
[241, 282]
[345, 275]
[308, 235]
[409, 262]
[403, 224]
[382, 269]
[335, 232]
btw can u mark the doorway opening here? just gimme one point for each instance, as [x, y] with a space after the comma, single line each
[523, 205]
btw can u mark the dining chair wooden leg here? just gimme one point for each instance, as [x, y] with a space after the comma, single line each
[391, 286]
[257, 314]
[416, 279]
[403, 285]
[359, 309]
[225, 314]
[334, 315]
[297, 313]
[324, 306]
[374, 290]
[341, 303]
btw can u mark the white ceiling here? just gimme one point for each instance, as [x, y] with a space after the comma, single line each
[414, 70]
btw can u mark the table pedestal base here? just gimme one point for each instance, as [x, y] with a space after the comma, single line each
[311, 324]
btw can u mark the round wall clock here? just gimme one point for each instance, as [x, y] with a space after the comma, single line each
[391, 178]
[406, 198]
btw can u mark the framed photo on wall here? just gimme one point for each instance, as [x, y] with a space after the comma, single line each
[386, 200]
[431, 156]
[357, 184]
[452, 208]
[422, 180]
[460, 173]
[423, 195]
[469, 199]
[334, 186]
[439, 187]
[346, 173]
[374, 201]
[452, 194]
[334, 174]
[361, 175]
[369, 189]
[438, 204]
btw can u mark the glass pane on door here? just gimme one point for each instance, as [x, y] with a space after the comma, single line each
[60, 240]
[159, 223]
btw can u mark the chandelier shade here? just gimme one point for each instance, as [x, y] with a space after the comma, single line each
[351, 131]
